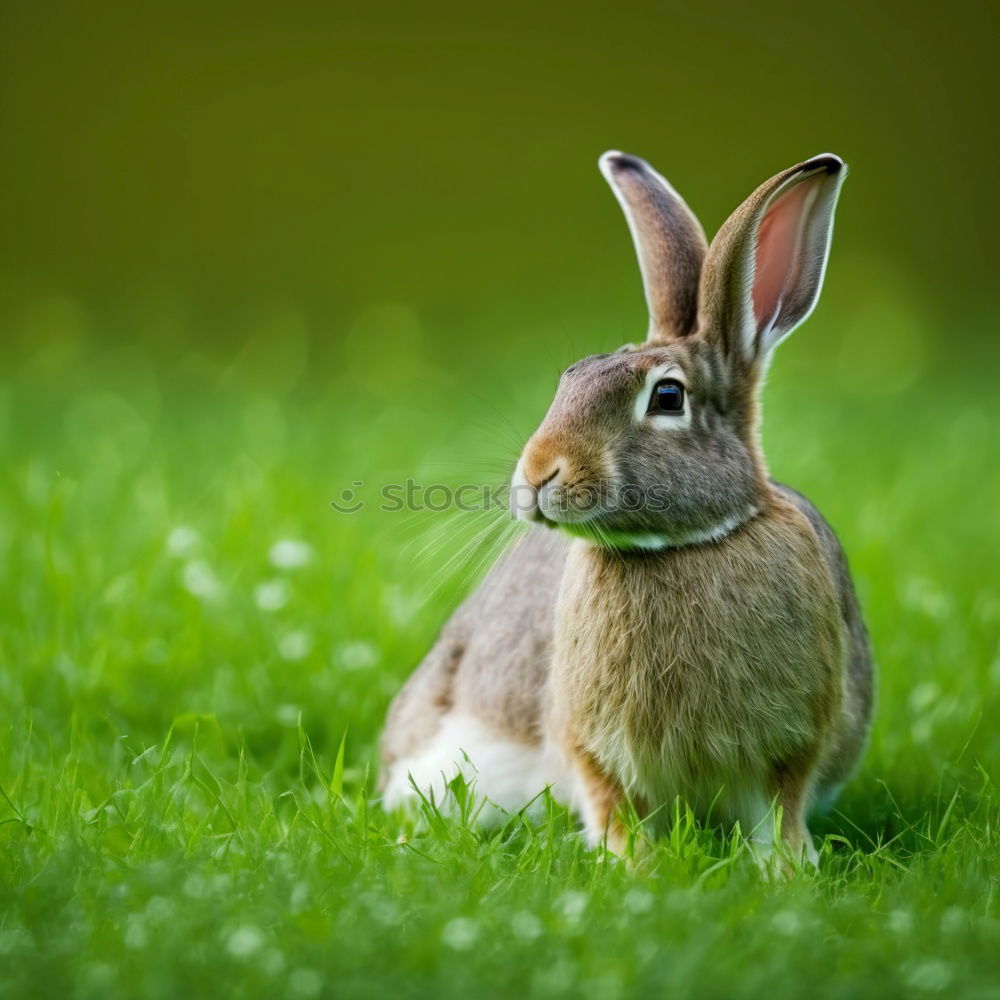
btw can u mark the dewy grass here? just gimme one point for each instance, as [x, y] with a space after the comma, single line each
[197, 652]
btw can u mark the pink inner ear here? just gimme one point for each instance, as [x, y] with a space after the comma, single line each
[778, 255]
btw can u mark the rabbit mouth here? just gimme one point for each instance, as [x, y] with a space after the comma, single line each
[552, 519]
[555, 504]
[605, 538]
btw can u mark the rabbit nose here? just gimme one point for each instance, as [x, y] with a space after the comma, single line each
[547, 479]
[540, 470]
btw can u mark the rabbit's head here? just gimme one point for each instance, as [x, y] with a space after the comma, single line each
[656, 444]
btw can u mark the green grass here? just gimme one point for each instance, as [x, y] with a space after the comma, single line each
[189, 729]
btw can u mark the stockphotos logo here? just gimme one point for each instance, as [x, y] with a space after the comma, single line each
[410, 495]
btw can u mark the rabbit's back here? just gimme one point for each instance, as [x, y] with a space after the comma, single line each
[859, 676]
[482, 685]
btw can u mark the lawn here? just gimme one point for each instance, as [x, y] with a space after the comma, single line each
[197, 650]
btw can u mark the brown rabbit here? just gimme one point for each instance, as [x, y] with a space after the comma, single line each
[692, 629]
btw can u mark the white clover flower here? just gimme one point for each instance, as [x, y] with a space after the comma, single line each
[954, 920]
[182, 541]
[136, 935]
[572, 904]
[271, 595]
[357, 654]
[200, 580]
[526, 926]
[924, 695]
[460, 934]
[290, 553]
[401, 607]
[295, 645]
[195, 886]
[930, 977]
[160, 908]
[786, 922]
[638, 901]
[288, 715]
[244, 941]
[299, 896]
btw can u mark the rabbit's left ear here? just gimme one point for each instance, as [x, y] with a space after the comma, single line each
[669, 243]
[764, 269]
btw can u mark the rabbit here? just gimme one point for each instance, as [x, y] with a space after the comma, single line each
[674, 623]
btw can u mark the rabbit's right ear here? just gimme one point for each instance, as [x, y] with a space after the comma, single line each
[765, 267]
[669, 242]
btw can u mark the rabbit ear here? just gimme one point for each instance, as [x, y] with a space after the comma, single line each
[765, 267]
[669, 242]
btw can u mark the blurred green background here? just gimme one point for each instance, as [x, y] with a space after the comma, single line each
[252, 254]
[196, 157]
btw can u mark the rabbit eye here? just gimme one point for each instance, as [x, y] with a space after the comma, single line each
[668, 397]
